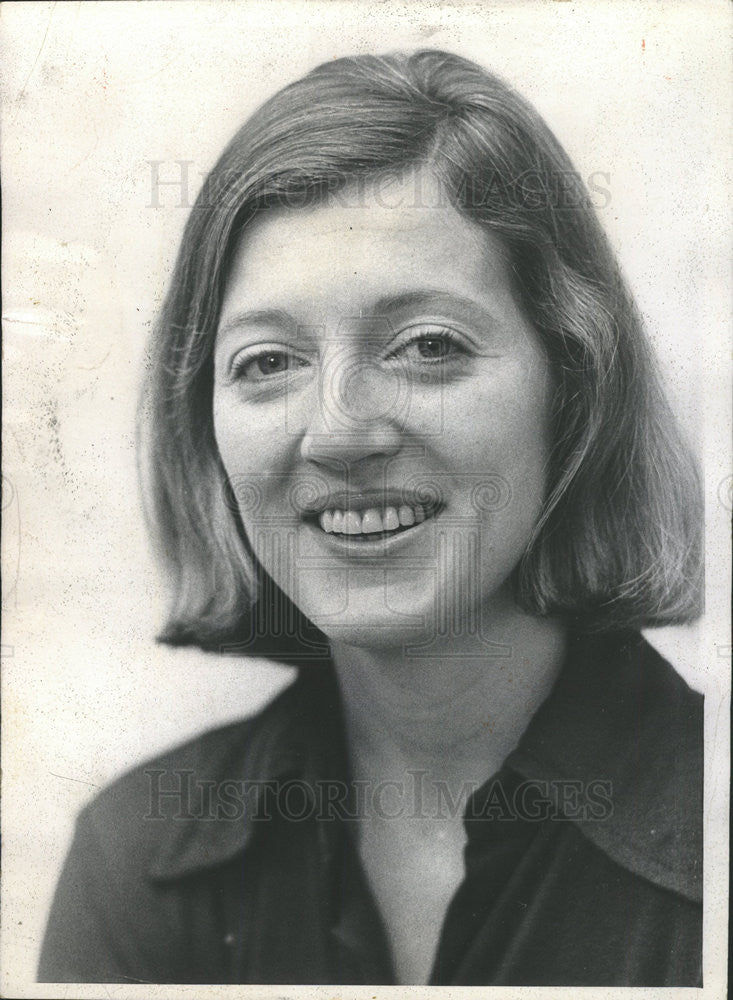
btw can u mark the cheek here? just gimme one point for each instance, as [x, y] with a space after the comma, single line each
[245, 454]
[258, 451]
[504, 422]
[527, 438]
[527, 447]
[230, 445]
[248, 440]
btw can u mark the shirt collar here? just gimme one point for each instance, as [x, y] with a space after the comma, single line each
[281, 743]
[618, 714]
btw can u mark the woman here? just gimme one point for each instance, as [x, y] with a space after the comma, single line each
[404, 432]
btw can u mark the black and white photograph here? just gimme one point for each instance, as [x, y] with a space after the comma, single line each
[366, 498]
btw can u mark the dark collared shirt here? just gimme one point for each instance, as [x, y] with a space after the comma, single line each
[232, 858]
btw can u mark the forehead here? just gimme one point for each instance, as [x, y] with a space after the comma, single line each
[364, 244]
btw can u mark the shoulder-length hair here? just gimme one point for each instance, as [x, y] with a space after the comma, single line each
[618, 543]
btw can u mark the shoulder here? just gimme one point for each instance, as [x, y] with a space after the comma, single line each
[114, 915]
[644, 700]
[158, 816]
[659, 796]
[622, 716]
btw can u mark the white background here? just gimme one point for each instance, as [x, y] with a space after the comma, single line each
[92, 93]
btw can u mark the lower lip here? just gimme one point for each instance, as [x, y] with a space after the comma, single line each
[361, 546]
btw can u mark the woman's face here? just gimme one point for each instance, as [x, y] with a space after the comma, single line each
[381, 408]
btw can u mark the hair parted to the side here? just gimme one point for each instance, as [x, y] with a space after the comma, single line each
[618, 544]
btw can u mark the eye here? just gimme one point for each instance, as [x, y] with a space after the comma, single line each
[432, 348]
[266, 365]
[431, 344]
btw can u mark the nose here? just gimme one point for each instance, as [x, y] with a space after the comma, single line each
[358, 412]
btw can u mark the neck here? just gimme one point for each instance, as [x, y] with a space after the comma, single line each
[455, 714]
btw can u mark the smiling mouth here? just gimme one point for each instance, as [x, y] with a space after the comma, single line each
[372, 523]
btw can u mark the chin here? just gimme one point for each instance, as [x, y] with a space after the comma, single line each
[363, 608]
[406, 613]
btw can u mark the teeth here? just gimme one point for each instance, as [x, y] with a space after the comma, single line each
[391, 521]
[326, 520]
[406, 516]
[371, 521]
[352, 522]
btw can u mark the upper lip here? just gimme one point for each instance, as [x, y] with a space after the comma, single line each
[365, 499]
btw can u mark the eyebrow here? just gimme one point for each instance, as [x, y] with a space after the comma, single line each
[258, 317]
[387, 305]
[425, 297]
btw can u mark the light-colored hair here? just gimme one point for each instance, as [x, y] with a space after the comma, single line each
[618, 543]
